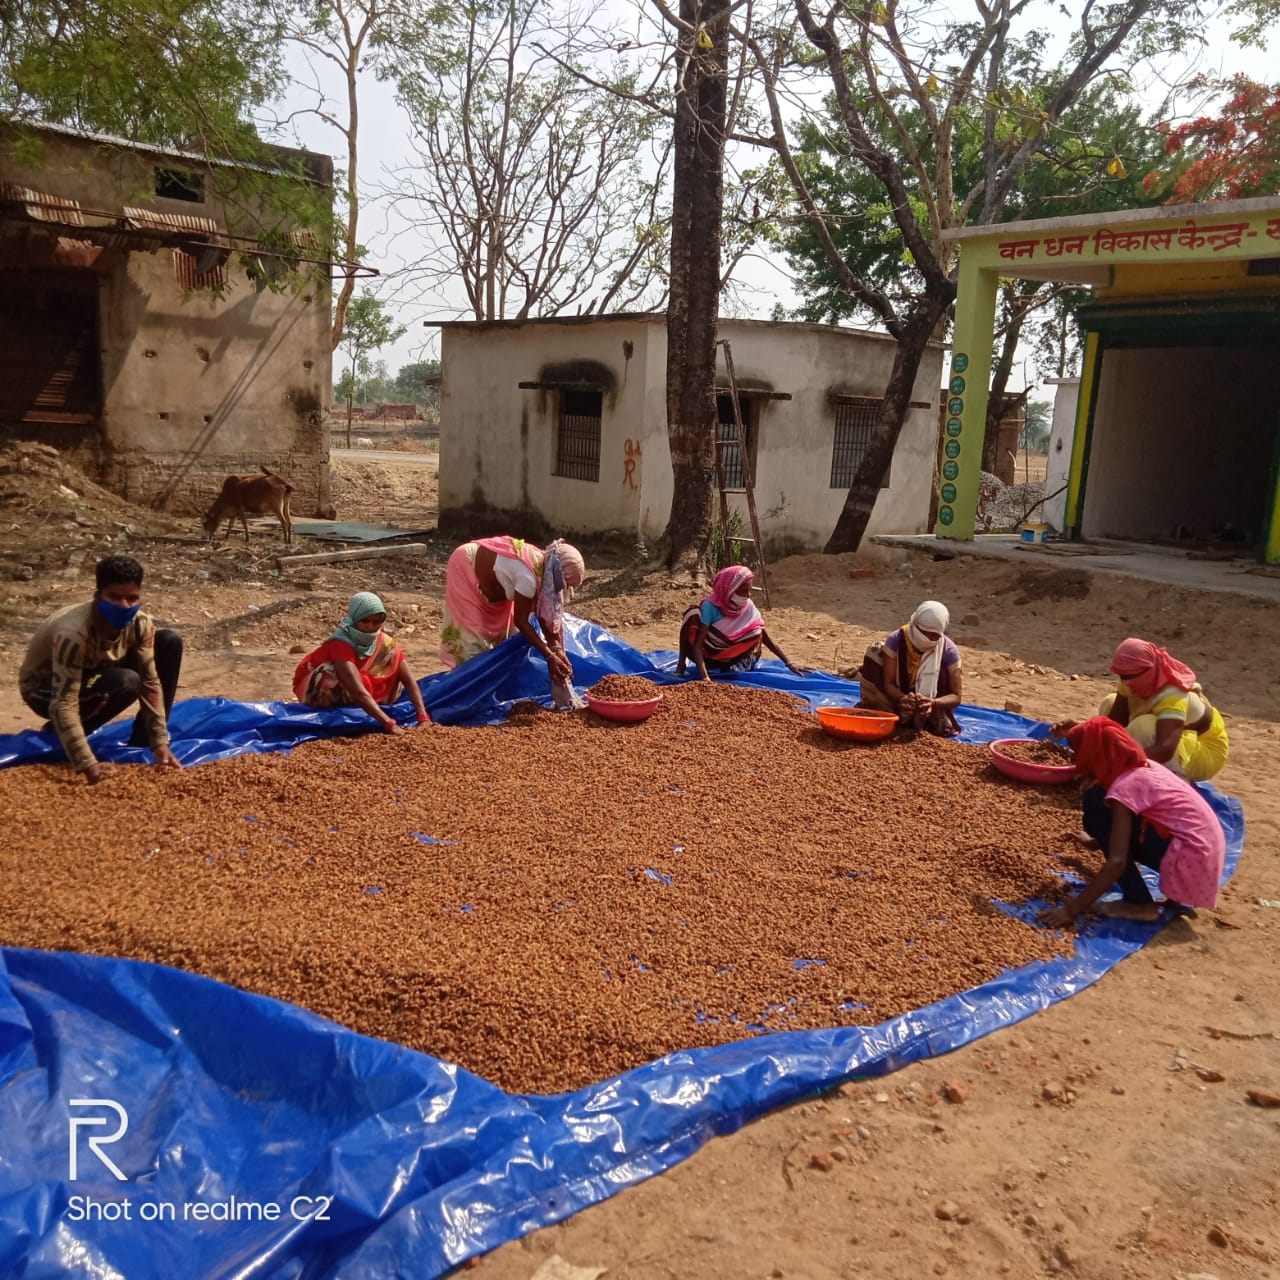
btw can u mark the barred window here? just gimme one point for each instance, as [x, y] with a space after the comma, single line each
[578, 435]
[855, 421]
[727, 429]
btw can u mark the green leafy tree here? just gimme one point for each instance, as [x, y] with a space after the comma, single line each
[368, 329]
[987, 93]
[1091, 165]
[175, 73]
[418, 382]
[1036, 426]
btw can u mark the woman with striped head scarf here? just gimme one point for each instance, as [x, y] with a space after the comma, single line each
[725, 632]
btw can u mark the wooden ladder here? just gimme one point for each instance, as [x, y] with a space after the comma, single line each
[747, 480]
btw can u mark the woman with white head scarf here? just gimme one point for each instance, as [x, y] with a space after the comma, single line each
[915, 673]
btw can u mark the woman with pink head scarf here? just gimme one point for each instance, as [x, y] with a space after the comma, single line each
[1159, 701]
[725, 631]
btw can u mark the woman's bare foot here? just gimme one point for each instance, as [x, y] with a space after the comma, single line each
[1144, 912]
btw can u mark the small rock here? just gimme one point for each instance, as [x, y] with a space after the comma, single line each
[1219, 1237]
[1263, 1098]
[955, 1092]
[24, 573]
[1209, 1076]
[1012, 705]
[821, 1160]
[864, 1133]
[1118, 1090]
[839, 1153]
[1052, 1091]
[297, 648]
[947, 1210]
[882, 1097]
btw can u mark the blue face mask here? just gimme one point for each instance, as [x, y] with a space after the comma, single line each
[117, 615]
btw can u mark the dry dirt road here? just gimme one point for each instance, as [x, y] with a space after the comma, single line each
[1095, 1140]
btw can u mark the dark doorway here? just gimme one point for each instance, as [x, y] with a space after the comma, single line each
[50, 360]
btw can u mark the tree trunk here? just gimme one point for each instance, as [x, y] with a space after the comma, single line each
[995, 400]
[694, 299]
[861, 498]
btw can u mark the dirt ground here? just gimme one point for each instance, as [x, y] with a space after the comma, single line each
[1094, 1140]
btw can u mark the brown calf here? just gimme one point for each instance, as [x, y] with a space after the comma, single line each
[251, 495]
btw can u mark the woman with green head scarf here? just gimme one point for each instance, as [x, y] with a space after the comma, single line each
[359, 665]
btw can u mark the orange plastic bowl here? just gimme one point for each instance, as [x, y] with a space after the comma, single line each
[861, 724]
[623, 711]
[1024, 770]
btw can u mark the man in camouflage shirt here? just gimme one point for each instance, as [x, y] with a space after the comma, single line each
[88, 662]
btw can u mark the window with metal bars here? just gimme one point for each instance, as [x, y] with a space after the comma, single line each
[727, 429]
[578, 435]
[855, 421]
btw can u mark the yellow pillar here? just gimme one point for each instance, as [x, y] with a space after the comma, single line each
[967, 393]
[1080, 441]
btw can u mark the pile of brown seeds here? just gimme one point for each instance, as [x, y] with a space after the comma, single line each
[616, 688]
[1043, 752]
[558, 898]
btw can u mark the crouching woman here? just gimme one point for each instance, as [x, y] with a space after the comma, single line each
[359, 665]
[1143, 815]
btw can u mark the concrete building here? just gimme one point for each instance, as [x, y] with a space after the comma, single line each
[138, 327]
[561, 424]
[1176, 433]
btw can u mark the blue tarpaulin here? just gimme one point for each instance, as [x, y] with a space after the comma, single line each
[157, 1124]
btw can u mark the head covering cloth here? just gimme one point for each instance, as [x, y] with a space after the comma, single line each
[929, 616]
[1104, 750]
[1146, 668]
[731, 594]
[563, 568]
[362, 605]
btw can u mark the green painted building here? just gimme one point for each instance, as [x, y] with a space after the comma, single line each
[1177, 432]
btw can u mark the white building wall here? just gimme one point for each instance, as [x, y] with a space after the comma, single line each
[498, 442]
[796, 504]
[1062, 436]
[497, 445]
[1181, 440]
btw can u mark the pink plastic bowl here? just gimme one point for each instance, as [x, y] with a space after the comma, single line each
[624, 711]
[1024, 770]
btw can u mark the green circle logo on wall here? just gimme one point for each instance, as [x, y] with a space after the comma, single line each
[955, 405]
[954, 426]
[957, 386]
[953, 449]
[961, 362]
[950, 470]
[945, 515]
[948, 493]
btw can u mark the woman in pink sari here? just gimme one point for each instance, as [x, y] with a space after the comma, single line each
[494, 587]
[725, 631]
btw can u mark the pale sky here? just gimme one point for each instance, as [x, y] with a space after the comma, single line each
[385, 149]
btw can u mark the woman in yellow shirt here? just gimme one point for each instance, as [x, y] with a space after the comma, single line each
[1159, 701]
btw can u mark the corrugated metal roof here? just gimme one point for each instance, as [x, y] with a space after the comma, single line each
[40, 206]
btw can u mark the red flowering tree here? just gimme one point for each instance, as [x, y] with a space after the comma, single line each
[1229, 156]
